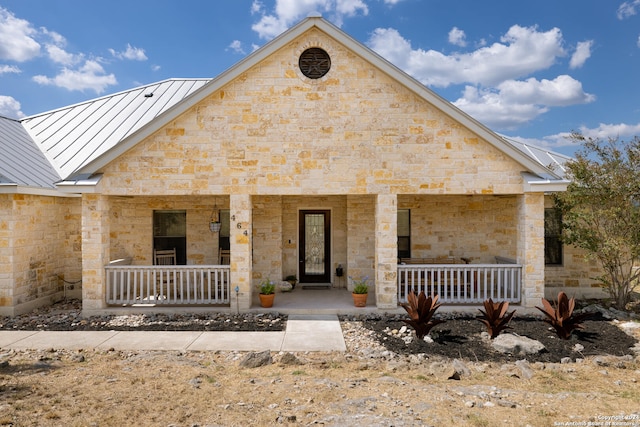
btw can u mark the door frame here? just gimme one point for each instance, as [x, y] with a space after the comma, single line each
[319, 278]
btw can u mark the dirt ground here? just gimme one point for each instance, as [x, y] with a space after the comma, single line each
[379, 381]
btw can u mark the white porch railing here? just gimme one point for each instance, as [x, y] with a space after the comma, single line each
[461, 283]
[168, 285]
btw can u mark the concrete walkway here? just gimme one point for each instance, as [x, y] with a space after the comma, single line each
[302, 333]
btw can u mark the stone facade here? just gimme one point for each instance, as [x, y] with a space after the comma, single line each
[269, 142]
[40, 251]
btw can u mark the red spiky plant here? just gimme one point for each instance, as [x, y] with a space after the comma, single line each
[421, 310]
[495, 316]
[561, 315]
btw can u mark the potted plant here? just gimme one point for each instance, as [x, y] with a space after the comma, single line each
[292, 279]
[360, 291]
[267, 293]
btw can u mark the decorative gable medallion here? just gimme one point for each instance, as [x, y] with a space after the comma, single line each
[314, 63]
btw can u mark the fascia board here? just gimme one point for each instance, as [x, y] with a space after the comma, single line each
[533, 184]
[33, 191]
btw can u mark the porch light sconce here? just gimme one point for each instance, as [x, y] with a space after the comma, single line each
[214, 220]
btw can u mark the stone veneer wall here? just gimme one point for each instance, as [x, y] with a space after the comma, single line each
[131, 229]
[475, 227]
[361, 239]
[574, 276]
[273, 132]
[40, 247]
[267, 239]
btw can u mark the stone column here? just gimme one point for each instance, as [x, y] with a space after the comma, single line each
[240, 236]
[96, 251]
[386, 244]
[531, 247]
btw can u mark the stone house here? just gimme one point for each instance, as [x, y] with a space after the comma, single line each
[314, 154]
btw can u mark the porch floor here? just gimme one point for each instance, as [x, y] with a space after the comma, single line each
[332, 300]
[318, 300]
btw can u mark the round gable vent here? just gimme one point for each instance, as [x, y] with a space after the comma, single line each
[314, 63]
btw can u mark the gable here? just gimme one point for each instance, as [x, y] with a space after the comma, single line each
[271, 130]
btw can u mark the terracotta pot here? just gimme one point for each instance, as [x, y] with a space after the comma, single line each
[266, 301]
[360, 300]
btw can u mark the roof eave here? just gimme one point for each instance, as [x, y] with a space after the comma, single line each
[34, 191]
[533, 184]
[81, 184]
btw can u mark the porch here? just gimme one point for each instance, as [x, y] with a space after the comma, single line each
[210, 286]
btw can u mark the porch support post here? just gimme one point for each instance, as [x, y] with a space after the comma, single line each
[531, 247]
[240, 232]
[96, 251]
[386, 244]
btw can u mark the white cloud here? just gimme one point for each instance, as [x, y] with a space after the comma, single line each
[17, 41]
[155, 67]
[638, 41]
[582, 53]
[628, 8]
[236, 46]
[61, 56]
[489, 107]
[457, 37]
[6, 69]
[522, 51]
[288, 12]
[559, 92]
[9, 107]
[513, 103]
[610, 130]
[131, 53]
[392, 2]
[91, 76]
[257, 7]
[602, 131]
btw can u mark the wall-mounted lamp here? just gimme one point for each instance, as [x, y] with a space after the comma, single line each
[214, 219]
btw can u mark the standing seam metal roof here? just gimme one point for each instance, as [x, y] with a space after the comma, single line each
[72, 136]
[21, 161]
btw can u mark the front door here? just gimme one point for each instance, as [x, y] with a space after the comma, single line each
[315, 244]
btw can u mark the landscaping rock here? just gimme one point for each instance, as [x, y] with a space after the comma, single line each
[515, 344]
[255, 360]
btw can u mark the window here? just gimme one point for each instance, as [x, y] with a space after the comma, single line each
[314, 63]
[224, 243]
[404, 233]
[552, 237]
[170, 231]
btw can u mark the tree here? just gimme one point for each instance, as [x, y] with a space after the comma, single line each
[601, 210]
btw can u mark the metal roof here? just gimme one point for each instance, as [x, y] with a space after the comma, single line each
[549, 159]
[21, 161]
[73, 136]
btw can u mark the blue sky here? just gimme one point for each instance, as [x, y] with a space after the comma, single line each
[533, 71]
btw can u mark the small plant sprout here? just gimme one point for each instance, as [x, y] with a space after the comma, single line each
[495, 316]
[561, 316]
[360, 285]
[421, 310]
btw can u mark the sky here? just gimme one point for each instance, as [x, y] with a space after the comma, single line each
[531, 71]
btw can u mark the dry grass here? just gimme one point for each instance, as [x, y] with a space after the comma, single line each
[209, 389]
